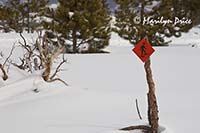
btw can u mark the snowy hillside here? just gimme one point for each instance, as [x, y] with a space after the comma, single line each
[102, 90]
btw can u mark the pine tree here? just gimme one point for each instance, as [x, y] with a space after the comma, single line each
[130, 12]
[82, 22]
[15, 16]
[36, 10]
[3, 17]
[23, 15]
[188, 8]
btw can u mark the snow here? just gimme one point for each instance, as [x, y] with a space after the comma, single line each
[190, 39]
[54, 6]
[102, 90]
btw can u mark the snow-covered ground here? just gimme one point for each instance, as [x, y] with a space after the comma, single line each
[190, 39]
[102, 90]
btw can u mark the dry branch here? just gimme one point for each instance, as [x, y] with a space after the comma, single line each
[27, 60]
[57, 79]
[138, 110]
[11, 52]
[2, 67]
[21, 66]
[144, 128]
[48, 56]
[4, 76]
[23, 39]
[58, 68]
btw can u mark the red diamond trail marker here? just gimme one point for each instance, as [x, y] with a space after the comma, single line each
[143, 50]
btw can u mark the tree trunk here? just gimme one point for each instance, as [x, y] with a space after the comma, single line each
[47, 71]
[74, 40]
[152, 102]
[53, 20]
[28, 10]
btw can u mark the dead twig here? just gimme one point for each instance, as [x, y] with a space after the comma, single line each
[5, 76]
[144, 128]
[2, 67]
[27, 59]
[52, 78]
[21, 66]
[11, 52]
[58, 68]
[138, 110]
[57, 79]
[23, 39]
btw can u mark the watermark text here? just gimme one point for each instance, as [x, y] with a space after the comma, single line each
[162, 21]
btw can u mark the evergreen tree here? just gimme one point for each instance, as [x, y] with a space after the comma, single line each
[35, 11]
[3, 17]
[130, 12]
[188, 8]
[15, 16]
[23, 15]
[82, 22]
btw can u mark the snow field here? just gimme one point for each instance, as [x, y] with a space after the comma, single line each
[102, 90]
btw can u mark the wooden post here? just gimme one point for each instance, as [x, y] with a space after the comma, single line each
[152, 102]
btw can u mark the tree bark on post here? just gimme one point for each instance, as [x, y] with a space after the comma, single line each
[152, 102]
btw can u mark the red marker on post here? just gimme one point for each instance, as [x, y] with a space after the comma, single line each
[143, 50]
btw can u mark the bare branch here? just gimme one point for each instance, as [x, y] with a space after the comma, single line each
[27, 47]
[144, 128]
[57, 53]
[21, 66]
[57, 79]
[6, 62]
[11, 52]
[48, 56]
[5, 76]
[138, 110]
[23, 39]
[22, 45]
[58, 69]
[84, 41]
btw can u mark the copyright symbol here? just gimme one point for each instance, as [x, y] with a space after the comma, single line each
[137, 20]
